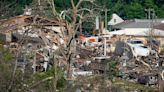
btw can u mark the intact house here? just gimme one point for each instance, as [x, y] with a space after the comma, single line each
[139, 29]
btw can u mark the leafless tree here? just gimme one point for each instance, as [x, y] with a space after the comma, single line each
[77, 14]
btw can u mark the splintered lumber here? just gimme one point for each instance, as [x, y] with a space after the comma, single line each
[86, 52]
[144, 63]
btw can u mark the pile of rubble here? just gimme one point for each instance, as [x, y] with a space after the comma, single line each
[136, 61]
[34, 40]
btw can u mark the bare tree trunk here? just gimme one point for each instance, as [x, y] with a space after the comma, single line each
[55, 74]
[69, 70]
[81, 27]
[13, 74]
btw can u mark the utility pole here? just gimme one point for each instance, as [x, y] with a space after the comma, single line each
[106, 25]
[160, 82]
[106, 20]
[81, 25]
[151, 14]
[106, 66]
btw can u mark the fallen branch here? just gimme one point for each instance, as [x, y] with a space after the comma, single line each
[146, 64]
[37, 83]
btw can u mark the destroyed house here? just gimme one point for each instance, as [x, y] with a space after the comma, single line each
[36, 28]
[34, 36]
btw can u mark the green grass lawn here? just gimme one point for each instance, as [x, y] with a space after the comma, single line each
[131, 86]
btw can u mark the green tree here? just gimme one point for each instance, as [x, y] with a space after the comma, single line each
[134, 10]
[149, 3]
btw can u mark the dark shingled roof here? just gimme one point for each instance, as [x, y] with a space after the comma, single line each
[138, 23]
[160, 26]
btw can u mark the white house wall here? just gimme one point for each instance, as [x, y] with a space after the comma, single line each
[115, 20]
[159, 32]
[138, 32]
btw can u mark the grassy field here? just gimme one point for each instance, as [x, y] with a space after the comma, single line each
[132, 87]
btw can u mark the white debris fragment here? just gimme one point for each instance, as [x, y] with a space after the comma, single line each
[55, 47]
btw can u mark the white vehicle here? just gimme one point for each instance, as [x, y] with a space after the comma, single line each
[136, 42]
[139, 50]
[132, 48]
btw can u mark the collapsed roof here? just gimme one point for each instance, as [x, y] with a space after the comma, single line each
[17, 22]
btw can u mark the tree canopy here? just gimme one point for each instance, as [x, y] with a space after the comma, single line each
[127, 9]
